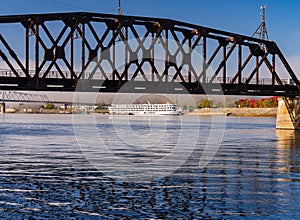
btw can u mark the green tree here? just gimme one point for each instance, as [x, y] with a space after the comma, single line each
[206, 103]
[49, 105]
[101, 106]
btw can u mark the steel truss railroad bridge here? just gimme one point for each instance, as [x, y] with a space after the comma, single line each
[117, 53]
[13, 96]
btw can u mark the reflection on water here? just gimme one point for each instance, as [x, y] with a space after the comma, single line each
[289, 150]
[43, 174]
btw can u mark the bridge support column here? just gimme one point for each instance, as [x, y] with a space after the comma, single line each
[288, 113]
[2, 107]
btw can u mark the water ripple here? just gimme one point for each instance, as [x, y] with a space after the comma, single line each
[43, 174]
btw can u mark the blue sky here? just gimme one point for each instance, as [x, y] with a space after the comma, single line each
[282, 17]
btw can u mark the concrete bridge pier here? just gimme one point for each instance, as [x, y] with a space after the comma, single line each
[2, 107]
[288, 113]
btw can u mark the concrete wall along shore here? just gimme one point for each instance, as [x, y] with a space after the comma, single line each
[245, 112]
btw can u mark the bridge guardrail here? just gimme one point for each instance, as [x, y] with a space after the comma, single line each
[98, 75]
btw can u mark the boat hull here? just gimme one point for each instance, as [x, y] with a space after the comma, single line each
[144, 109]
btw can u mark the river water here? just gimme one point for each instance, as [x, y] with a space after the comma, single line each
[184, 167]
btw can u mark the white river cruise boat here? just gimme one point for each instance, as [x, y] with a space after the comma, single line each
[144, 109]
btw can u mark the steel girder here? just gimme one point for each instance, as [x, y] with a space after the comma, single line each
[13, 96]
[104, 52]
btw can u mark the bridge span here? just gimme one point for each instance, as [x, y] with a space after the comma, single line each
[116, 53]
[13, 96]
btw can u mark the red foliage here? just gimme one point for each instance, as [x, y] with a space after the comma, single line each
[262, 103]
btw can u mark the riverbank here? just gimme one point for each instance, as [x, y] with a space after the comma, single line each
[244, 112]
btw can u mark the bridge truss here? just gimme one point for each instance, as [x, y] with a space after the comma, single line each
[13, 96]
[111, 53]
